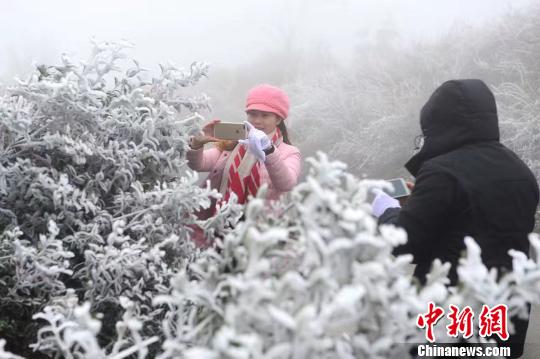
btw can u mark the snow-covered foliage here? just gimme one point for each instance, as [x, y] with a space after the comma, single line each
[95, 196]
[96, 209]
[316, 279]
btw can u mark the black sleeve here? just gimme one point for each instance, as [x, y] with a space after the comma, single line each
[390, 216]
[435, 197]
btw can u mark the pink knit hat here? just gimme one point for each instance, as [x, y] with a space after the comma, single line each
[268, 98]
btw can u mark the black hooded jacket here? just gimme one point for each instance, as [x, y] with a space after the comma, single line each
[467, 183]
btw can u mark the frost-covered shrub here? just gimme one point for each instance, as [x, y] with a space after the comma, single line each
[95, 194]
[34, 269]
[316, 279]
[71, 331]
[96, 207]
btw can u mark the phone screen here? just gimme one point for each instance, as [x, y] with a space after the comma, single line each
[400, 188]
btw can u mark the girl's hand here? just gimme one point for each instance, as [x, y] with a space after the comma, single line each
[257, 141]
[198, 141]
[208, 129]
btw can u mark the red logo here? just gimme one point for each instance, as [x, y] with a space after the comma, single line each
[460, 322]
[491, 321]
[429, 319]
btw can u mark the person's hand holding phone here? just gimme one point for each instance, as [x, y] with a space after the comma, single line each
[257, 141]
[207, 135]
[403, 200]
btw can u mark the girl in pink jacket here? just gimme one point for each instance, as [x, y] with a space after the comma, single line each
[266, 156]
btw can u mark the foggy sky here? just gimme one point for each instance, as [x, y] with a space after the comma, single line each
[223, 33]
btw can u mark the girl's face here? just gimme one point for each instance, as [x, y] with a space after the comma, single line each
[264, 121]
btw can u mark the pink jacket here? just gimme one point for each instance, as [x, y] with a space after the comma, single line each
[281, 169]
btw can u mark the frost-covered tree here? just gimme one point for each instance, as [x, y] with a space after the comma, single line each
[316, 279]
[94, 193]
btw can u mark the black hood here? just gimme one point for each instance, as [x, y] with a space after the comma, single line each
[459, 112]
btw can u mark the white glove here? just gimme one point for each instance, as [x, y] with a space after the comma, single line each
[257, 141]
[382, 202]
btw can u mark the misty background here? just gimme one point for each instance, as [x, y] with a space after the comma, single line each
[357, 72]
[226, 34]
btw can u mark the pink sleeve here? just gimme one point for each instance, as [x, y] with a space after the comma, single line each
[284, 167]
[203, 160]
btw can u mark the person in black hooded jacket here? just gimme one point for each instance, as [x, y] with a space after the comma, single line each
[467, 184]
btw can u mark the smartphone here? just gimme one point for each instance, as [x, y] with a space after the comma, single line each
[400, 188]
[230, 131]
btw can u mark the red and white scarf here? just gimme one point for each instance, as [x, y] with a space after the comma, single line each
[242, 172]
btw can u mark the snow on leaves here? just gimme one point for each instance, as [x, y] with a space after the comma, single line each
[96, 206]
[95, 199]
